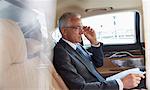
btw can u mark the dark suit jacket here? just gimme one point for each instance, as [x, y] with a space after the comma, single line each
[77, 72]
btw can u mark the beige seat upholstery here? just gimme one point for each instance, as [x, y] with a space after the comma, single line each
[57, 82]
[16, 71]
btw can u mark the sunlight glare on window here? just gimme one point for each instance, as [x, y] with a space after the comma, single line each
[111, 29]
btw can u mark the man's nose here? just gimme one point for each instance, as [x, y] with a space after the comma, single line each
[81, 31]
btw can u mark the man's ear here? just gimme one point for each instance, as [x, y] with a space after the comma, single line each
[63, 31]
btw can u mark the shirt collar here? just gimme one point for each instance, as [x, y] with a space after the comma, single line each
[73, 45]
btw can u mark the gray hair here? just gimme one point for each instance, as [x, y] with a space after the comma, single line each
[63, 20]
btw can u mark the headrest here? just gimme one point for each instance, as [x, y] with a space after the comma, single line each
[12, 43]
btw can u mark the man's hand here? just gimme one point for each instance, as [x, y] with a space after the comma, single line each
[90, 34]
[132, 80]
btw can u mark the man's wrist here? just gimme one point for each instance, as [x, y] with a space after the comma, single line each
[120, 83]
[94, 42]
[97, 44]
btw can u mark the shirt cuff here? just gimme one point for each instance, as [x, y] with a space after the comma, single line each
[120, 84]
[96, 45]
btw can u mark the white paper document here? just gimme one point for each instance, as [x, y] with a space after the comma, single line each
[125, 73]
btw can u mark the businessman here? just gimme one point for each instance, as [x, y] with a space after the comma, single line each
[76, 66]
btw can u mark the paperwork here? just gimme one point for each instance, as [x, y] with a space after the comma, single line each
[125, 73]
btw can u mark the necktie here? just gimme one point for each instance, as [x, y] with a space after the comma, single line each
[83, 53]
[91, 67]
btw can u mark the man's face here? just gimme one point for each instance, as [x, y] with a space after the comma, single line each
[73, 31]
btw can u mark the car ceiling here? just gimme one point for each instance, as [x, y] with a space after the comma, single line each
[81, 6]
[94, 7]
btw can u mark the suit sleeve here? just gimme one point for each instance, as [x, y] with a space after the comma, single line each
[64, 66]
[97, 55]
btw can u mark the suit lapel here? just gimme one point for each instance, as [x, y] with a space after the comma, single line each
[73, 52]
[79, 57]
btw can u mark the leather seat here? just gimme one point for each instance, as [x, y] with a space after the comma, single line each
[17, 72]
